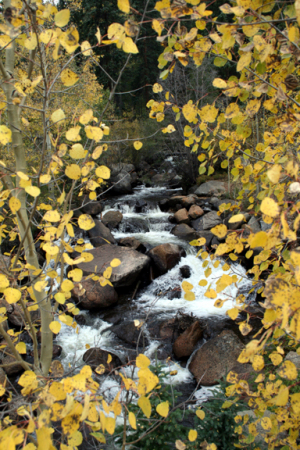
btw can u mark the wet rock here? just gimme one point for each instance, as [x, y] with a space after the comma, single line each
[128, 332]
[217, 356]
[167, 329]
[8, 366]
[195, 211]
[134, 243]
[185, 271]
[94, 296]
[164, 204]
[211, 188]
[116, 169]
[80, 319]
[140, 206]
[121, 183]
[112, 219]
[175, 199]
[132, 264]
[188, 201]
[95, 356]
[181, 216]
[254, 225]
[57, 349]
[16, 316]
[92, 207]
[210, 220]
[100, 234]
[174, 293]
[184, 231]
[184, 345]
[166, 256]
[172, 219]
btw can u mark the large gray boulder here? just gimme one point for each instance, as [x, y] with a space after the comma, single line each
[183, 231]
[92, 207]
[132, 264]
[121, 183]
[210, 220]
[94, 296]
[100, 234]
[112, 219]
[215, 358]
[211, 188]
[166, 256]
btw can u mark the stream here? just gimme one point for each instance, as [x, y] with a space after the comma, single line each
[152, 228]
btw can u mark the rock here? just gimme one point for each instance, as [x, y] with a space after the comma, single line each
[166, 256]
[176, 199]
[9, 368]
[265, 226]
[132, 242]
[211, 188]
[128, 332]
[195, 211]
[16, 316]
[294, 358]
[234, 225]
[172, 219]
[185, 271]
[184, 345]
[175, 181]
[112, 219]
[207, 235]
[184, 231]
[132, 264]
[121, 183]
[216, 202]
[95, 356]
[210, 220]
[254, 225]
[215, 358]
[181, 216]
[174, 293]
[140, 206]
[121, 167]
[92, 207]
[188, 201]
[164, 204]
[143, 166]
[100, 234]
[95, 295]
[167, 329]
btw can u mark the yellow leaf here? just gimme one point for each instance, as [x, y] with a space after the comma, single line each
[258, 363]
[73, 134]
[233, 313]
[115, 262]
[274, 173]
[52, 216]
[75, 439]
[34, 191]
[86, 222]
[55, 327]
[77, 151]
[189, 296]
[67, 286]
[31, 42]
[124, 6]
[220, 231]
[137, 145]
[110, 425]
[100, 369]
[186, 286]
[129, 46]
[58, 116]
[190, 111]
[269, 207]
[145, 405]
[86, 48]
[208, 113]
[163, 409]
[200, 414]
[236, 218]
[68, 77]
[76, 274]
[86, 117]
[14, 204]
[107, 272]
[62, 18]
[132, 420]
[157, 88]
[5, 135]
[178, 443]
[21, 348]
[288, 370]
[219, 83]
[27, 378]
[192, 435]
[259, 239]
[12, 295]
[103, 172]
[73, 171]
[142, 361]
[211, 293]
[94, 133]
[60, 298]
[98, 36]
[44, 179]
[282, 398]
[244, 61]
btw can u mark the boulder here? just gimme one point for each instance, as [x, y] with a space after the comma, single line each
[95, 356]
[188, 201]
[16, 316]
[140, 206]
[294, 358]
[164, 204]
[184, 231]
[181, 216]
[128, 332]
[211, 188]
[100, 234]
[112, 219]
[121, 183]
[94, 295]
[184, 345]
[234, 225]
[185, 271]
[132, 242]
[132, 264]
[121, 167]
[92, 207]
[254, 225]
[215, 358]
[166, 256]
[210, 220]
[8, 366]
[195, 211]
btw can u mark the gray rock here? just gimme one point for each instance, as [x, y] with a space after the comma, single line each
[166, 256]
[254, 225]
[265, 226]
[183, 231]
[100, 234]
[121, 183]
[112, 219]
[94, 296]
[210, 220]
[92, 207]
[294, 358]
[121, 167]
[211, 188]
[132, 264]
